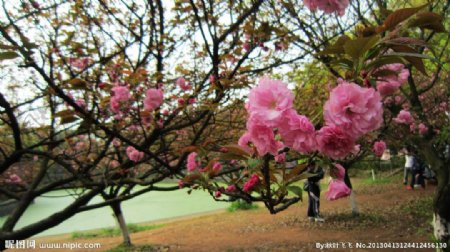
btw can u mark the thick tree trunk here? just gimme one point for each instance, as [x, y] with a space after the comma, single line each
[441, 221]
[441, 202]
[353, 205]
[122, 224]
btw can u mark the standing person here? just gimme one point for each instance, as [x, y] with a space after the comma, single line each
[409, 161]
[417, 173]
[313, 189]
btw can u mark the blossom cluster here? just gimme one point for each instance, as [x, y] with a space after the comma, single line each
[337, 188]
[350, 112]
[328, 6]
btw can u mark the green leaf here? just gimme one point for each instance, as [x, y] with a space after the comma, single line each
[297, 190]
[336, 48]
[358, 47]
[8, 55]
[253, 163]
[399, 16]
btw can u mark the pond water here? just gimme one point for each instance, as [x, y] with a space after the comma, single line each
[151, 206]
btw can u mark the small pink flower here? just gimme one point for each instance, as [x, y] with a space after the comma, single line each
[231, 188]
[269, 100]
[165, 112]
[120, 95]
[183, 84]
[133, 154]
[14, 179]
[412, 128]
[114, 164]
[217, 167]
[389, 84]
[116, 142]
[247, 46]
[280, 158]
[192, 163]
[251, 183]
[217, 194]
[328, 6]
[404, 117]
[180, 102]
[356, 149]
[423, 129]
[337, 189]
[192, 100]
[379, 147]
[81, 103]
[333, 142]
[212, 79]
[153, 99]
[338, 172]
[355, 109]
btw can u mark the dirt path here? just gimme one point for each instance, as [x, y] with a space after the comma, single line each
[382, 220]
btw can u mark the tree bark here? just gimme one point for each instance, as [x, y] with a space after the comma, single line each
[441, 201]
[116, 207]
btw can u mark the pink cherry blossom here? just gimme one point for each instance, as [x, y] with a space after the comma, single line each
[337, 189]
[116, 142]
[356, 149]
[180, 102]
[247, 46]
[231, 188]
[153, 99]
[120, 95]
[280, 158]
[423, 129]
[14, 179]
[192, 163]
[333, 142]
[269, 100]
[212, 79]
[134, 155]
[81, 103]
[262, 137]
[192, 100]
[355, 109]
[338, 172]
[297, 132]
[217, 194]
[244, 140]
[404, 117]
[217, 167]
[251, 183]
[183, 84]
[412, 128]
[114, 164]
[327, 6]
[180, 184]
[165, 112]
[379, 147]
[387, 85]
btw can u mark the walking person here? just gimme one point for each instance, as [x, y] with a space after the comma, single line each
[409, 161]
[313, 188]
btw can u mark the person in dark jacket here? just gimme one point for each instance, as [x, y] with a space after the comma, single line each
[313, 188]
